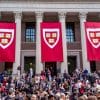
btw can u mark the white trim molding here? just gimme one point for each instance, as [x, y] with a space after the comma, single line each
[32, 6]
[77, 54]
[26, 54]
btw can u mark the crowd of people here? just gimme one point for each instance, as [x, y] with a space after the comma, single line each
[80, 85]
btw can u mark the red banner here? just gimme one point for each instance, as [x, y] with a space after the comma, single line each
[93, 40]
[51, 42]
[7, 42]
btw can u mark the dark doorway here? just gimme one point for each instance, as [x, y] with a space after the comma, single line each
[9, 67]
[29, 62]
[93, 66]
[2, 67]
[52, 66]
[71, 64]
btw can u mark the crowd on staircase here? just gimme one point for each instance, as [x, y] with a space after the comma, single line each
[80, 85]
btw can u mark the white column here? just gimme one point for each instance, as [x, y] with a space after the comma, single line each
[18, 42]
[64, 65]
[86, 63]
[39, 65]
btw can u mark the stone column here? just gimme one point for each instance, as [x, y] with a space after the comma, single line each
[39, 65]
[64, 65]
[18, 42]
[86, 63]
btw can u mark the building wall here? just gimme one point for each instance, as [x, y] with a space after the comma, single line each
[50, 14]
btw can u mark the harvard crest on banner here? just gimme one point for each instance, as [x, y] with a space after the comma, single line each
[7, 42]
[93, 40]
[51, 37]
[51, 42]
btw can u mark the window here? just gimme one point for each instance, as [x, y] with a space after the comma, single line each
[70, 33]
[30, 34]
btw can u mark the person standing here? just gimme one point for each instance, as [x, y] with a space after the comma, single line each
[31, 72]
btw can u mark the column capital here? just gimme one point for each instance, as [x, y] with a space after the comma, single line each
[83, 15]
[62, 15]
[18, 15]
[39, 15]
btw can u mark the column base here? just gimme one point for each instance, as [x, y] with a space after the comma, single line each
[39, 68]
[15, 73]
[86, 66]
[64, 67]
